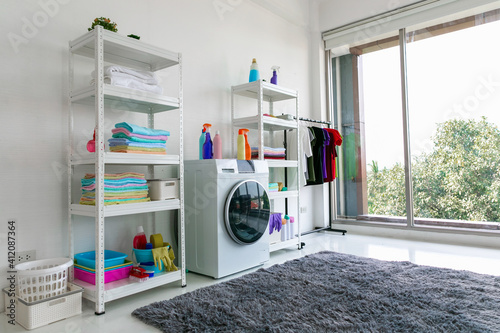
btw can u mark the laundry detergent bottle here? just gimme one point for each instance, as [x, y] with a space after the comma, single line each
[241, 144]
[274, 79]
[254, 71]
[208, 149]
[248, 150]
[140, 240]
[217, 146]
[202, 142]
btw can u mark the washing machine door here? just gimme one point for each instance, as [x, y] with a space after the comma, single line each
[247, 211]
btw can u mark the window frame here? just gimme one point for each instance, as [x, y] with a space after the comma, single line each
[410, 221]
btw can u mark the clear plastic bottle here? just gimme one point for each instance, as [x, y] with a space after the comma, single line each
[140, 240]
[254, 71]
[217, 146]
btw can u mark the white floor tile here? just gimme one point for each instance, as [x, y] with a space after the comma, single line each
[118, 313]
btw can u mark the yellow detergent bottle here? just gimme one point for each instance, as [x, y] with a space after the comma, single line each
[241, 143]
[248, 150]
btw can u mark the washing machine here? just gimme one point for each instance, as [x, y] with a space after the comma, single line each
[227, 211]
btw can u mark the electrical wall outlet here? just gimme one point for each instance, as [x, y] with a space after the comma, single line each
[24, 256]
[303, 209]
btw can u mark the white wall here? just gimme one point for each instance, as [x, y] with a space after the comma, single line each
[218, 40]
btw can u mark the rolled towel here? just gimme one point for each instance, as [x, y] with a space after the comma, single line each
[124, 72]
[141, 130]
[131, 83]
[124, 133]
[125, 142]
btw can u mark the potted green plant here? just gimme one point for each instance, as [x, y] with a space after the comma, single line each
[105, 23]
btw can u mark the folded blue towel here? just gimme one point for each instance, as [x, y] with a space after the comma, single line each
[133, 138]
[141, 130]
[125, 181]
[126, 142]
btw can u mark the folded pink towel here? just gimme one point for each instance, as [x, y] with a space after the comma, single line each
[128, 133]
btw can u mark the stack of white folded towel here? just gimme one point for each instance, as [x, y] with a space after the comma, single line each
[130, 78]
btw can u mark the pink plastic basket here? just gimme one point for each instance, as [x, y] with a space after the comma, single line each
[109, 276]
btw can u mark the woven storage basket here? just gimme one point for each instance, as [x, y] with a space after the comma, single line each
[41, 279]
[40, 313]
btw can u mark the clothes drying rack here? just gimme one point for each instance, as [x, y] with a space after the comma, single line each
[329, 228]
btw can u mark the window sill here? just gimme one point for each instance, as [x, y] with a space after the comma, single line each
[432, 222]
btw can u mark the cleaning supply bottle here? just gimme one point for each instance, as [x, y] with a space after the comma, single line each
[274, 79]
[241, 143]
[140, 240]
[254, 71]
[208, 152]
[217, 146]
[201, 142]
[248, 150]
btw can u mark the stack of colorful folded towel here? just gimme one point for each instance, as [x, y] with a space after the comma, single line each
[273, 187]
[130, 138]
[121, 188]
[269, 153]
[130, 78]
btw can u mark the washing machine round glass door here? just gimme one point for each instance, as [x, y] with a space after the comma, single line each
[247, 212]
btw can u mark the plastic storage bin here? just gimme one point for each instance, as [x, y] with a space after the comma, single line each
[150, 266]
[41, 279]
[111, 258]
[163, 189]
[31, 315]
[109, 275]
[92, 270]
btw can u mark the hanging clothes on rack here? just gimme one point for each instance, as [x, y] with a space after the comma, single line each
[327, 143]
[317, 139]
[315, 163]
[331, 153]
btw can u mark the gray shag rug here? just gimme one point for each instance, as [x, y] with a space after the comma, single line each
[334, 292]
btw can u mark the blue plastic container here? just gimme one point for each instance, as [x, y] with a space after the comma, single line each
[143, 255]
[111, 258]
[150, 266]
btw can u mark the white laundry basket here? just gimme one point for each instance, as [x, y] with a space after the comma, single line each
[41, 279]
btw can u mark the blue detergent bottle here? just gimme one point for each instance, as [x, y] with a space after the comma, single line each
[202, 142]
[254, 71]
[208, 147]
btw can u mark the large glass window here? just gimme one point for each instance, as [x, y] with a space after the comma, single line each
[454, 100]
[453, 76]
[384, 133]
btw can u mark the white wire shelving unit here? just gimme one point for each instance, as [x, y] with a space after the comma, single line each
[271, 93]
[105, 46]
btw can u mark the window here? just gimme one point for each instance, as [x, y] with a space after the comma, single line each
[453, 89]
